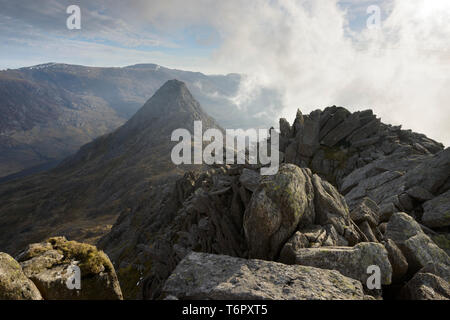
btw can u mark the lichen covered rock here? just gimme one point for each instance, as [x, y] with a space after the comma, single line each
[280, 203]
[51, 264]
[14, 285]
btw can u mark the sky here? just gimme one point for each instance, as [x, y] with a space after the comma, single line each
[315, 53]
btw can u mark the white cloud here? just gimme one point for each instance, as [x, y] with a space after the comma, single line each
[301, 49]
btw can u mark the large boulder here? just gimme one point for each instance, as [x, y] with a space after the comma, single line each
[53, 263]
[279, 205]
[14, 285]
[331, 208]
[417, 247]
[436, 212]
[352, 262]
[217, 277]
[426, 286]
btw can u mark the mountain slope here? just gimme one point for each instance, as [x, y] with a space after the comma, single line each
[83, 196]
[49, 111]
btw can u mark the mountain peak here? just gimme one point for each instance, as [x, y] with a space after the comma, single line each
[171, 100]
[171, 107]
[173, 86]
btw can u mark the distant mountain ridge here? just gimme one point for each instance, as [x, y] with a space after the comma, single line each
[50, 110]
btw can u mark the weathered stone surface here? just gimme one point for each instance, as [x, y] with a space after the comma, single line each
[386, 211]
[419, 193]
[368, 211]
[278, 206]
[308, 138]
[342, 130]
[14, 285]
[297, 241]
[421, 250]
[350, 261]
[334, 120]
[331, 208]
[426, 286]
[406, 202]
[397, 260]
[285, 128]
[367, 231]
[436, 212]
[366, 142]
[315, 234]
[382, 227]
[50, 264]
[438, 269]
[442, 240]
[402, 227]
[369, 186]
[431, 174]
[250, 179]
[218, 277]
[417, 247]
[365, 131]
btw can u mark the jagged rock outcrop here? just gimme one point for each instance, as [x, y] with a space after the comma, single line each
[14, 284]
[50, 266]
[364, 158]
[373, 171]
[381, 170]
[214, 212]
[219, 277]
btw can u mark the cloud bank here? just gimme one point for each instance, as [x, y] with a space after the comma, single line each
[307, 51]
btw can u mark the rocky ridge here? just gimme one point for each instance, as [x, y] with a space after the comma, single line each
[377, 174]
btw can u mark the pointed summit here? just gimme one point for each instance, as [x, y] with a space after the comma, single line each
[171, 107]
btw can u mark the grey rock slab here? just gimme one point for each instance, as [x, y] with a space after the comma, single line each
[217, 277]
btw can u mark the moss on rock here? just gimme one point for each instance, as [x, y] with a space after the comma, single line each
[91, 260]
